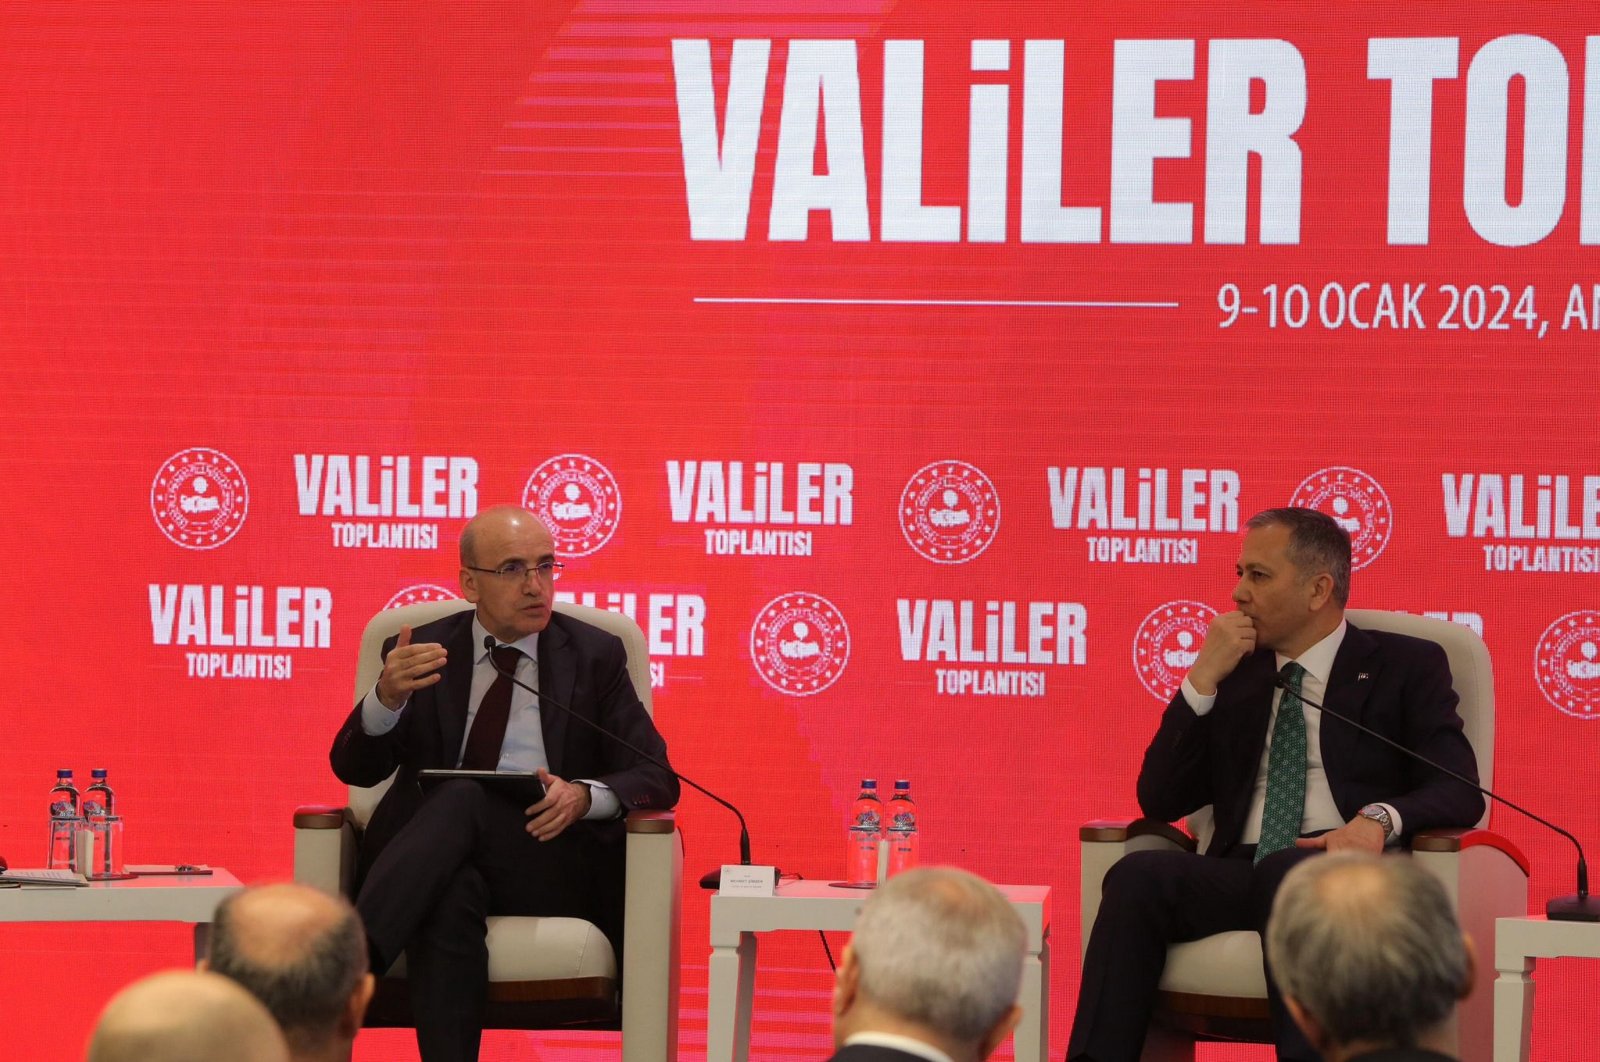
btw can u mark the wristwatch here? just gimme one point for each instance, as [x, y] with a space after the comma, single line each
[1379, 814]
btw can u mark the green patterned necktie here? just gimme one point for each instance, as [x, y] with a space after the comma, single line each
[1286, 769]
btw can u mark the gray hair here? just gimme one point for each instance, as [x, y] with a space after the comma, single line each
[942, 948]
[1369, 946]
[1316, 544]
[304, 985]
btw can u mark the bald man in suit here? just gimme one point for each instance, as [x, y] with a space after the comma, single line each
[433, 866]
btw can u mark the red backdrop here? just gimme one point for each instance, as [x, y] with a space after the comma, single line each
[1021, 310]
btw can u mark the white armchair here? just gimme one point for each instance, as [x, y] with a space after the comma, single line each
[544, 973]
[1214, 989]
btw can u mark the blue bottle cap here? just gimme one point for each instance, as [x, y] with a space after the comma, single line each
[902, 784]
[98, 772]
[64, 773]
[869, 783]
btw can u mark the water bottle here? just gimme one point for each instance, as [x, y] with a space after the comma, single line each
[99, 815]
[862, 833]
[64, 823]
[904, 844]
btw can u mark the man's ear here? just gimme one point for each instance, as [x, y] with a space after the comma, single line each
[469, 585]
[1002, 1029]
[846, 981]
[1309, 1025]
[1321, 590]
[355, 1008]
[1465, 989]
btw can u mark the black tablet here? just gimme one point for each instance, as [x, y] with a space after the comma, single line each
[522, 787]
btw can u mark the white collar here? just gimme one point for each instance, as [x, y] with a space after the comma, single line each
[920, 1048]
[1318, 660]
[527, 644]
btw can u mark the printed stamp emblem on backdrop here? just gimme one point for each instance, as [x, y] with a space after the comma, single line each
[799, 644]
[1166, 644]
[578, 499]
[418, 593]
[1566, 663]
[1357, 502]
[199, 498]
[950, 512]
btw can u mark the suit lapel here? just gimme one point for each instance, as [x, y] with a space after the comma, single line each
[455, 690]
[1248, 725]
[1350, 683]
[557, 677]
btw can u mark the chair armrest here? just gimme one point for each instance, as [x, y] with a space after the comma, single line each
[1461, 838]
[652, 822]
[325, 847]
[1121, 831]
[651, 947]
[1103, 842]
[321, 816]
[1486, 879]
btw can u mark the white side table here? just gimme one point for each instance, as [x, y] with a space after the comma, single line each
[174, 898]
[1517, 943]
[736, 921]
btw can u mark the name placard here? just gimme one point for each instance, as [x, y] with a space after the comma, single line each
[740, 880]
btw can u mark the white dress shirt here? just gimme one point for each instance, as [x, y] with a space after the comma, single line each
[1321, 813]
[522, 749]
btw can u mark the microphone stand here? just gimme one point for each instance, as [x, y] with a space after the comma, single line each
[1580, 907]
[711, 878]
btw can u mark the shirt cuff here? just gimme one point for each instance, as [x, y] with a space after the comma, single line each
[376, 720]
[603, 803]
[1198, 702]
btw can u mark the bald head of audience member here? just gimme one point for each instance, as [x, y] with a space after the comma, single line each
[303, 954]
[185, 1016]
[1368, 954]
[936, 956]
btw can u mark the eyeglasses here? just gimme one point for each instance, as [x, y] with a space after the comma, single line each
[519, 571]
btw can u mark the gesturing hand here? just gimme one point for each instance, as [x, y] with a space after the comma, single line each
[407, 669]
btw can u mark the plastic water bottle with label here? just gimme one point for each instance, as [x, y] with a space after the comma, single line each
[65, 821]
[862, 833]
[904, 842]
[104, 826]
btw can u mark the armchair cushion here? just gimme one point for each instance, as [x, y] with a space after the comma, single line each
[1224, 964]
[542, 949]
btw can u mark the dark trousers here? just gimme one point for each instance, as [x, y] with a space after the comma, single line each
[463, 856]
[1150, 900]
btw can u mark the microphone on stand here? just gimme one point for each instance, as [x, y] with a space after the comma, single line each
[711, 878]
[1577, 908]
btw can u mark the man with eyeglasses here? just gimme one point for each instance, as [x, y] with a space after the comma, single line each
[433, 867]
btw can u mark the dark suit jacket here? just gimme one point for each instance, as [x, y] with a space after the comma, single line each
[1402, 1054]
[580, 666]
[1394, 684]
[872, 1053]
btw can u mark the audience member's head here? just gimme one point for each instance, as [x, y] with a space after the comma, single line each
[185, 1016]
[303, 954]
[1368, 954]
[936, 956]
